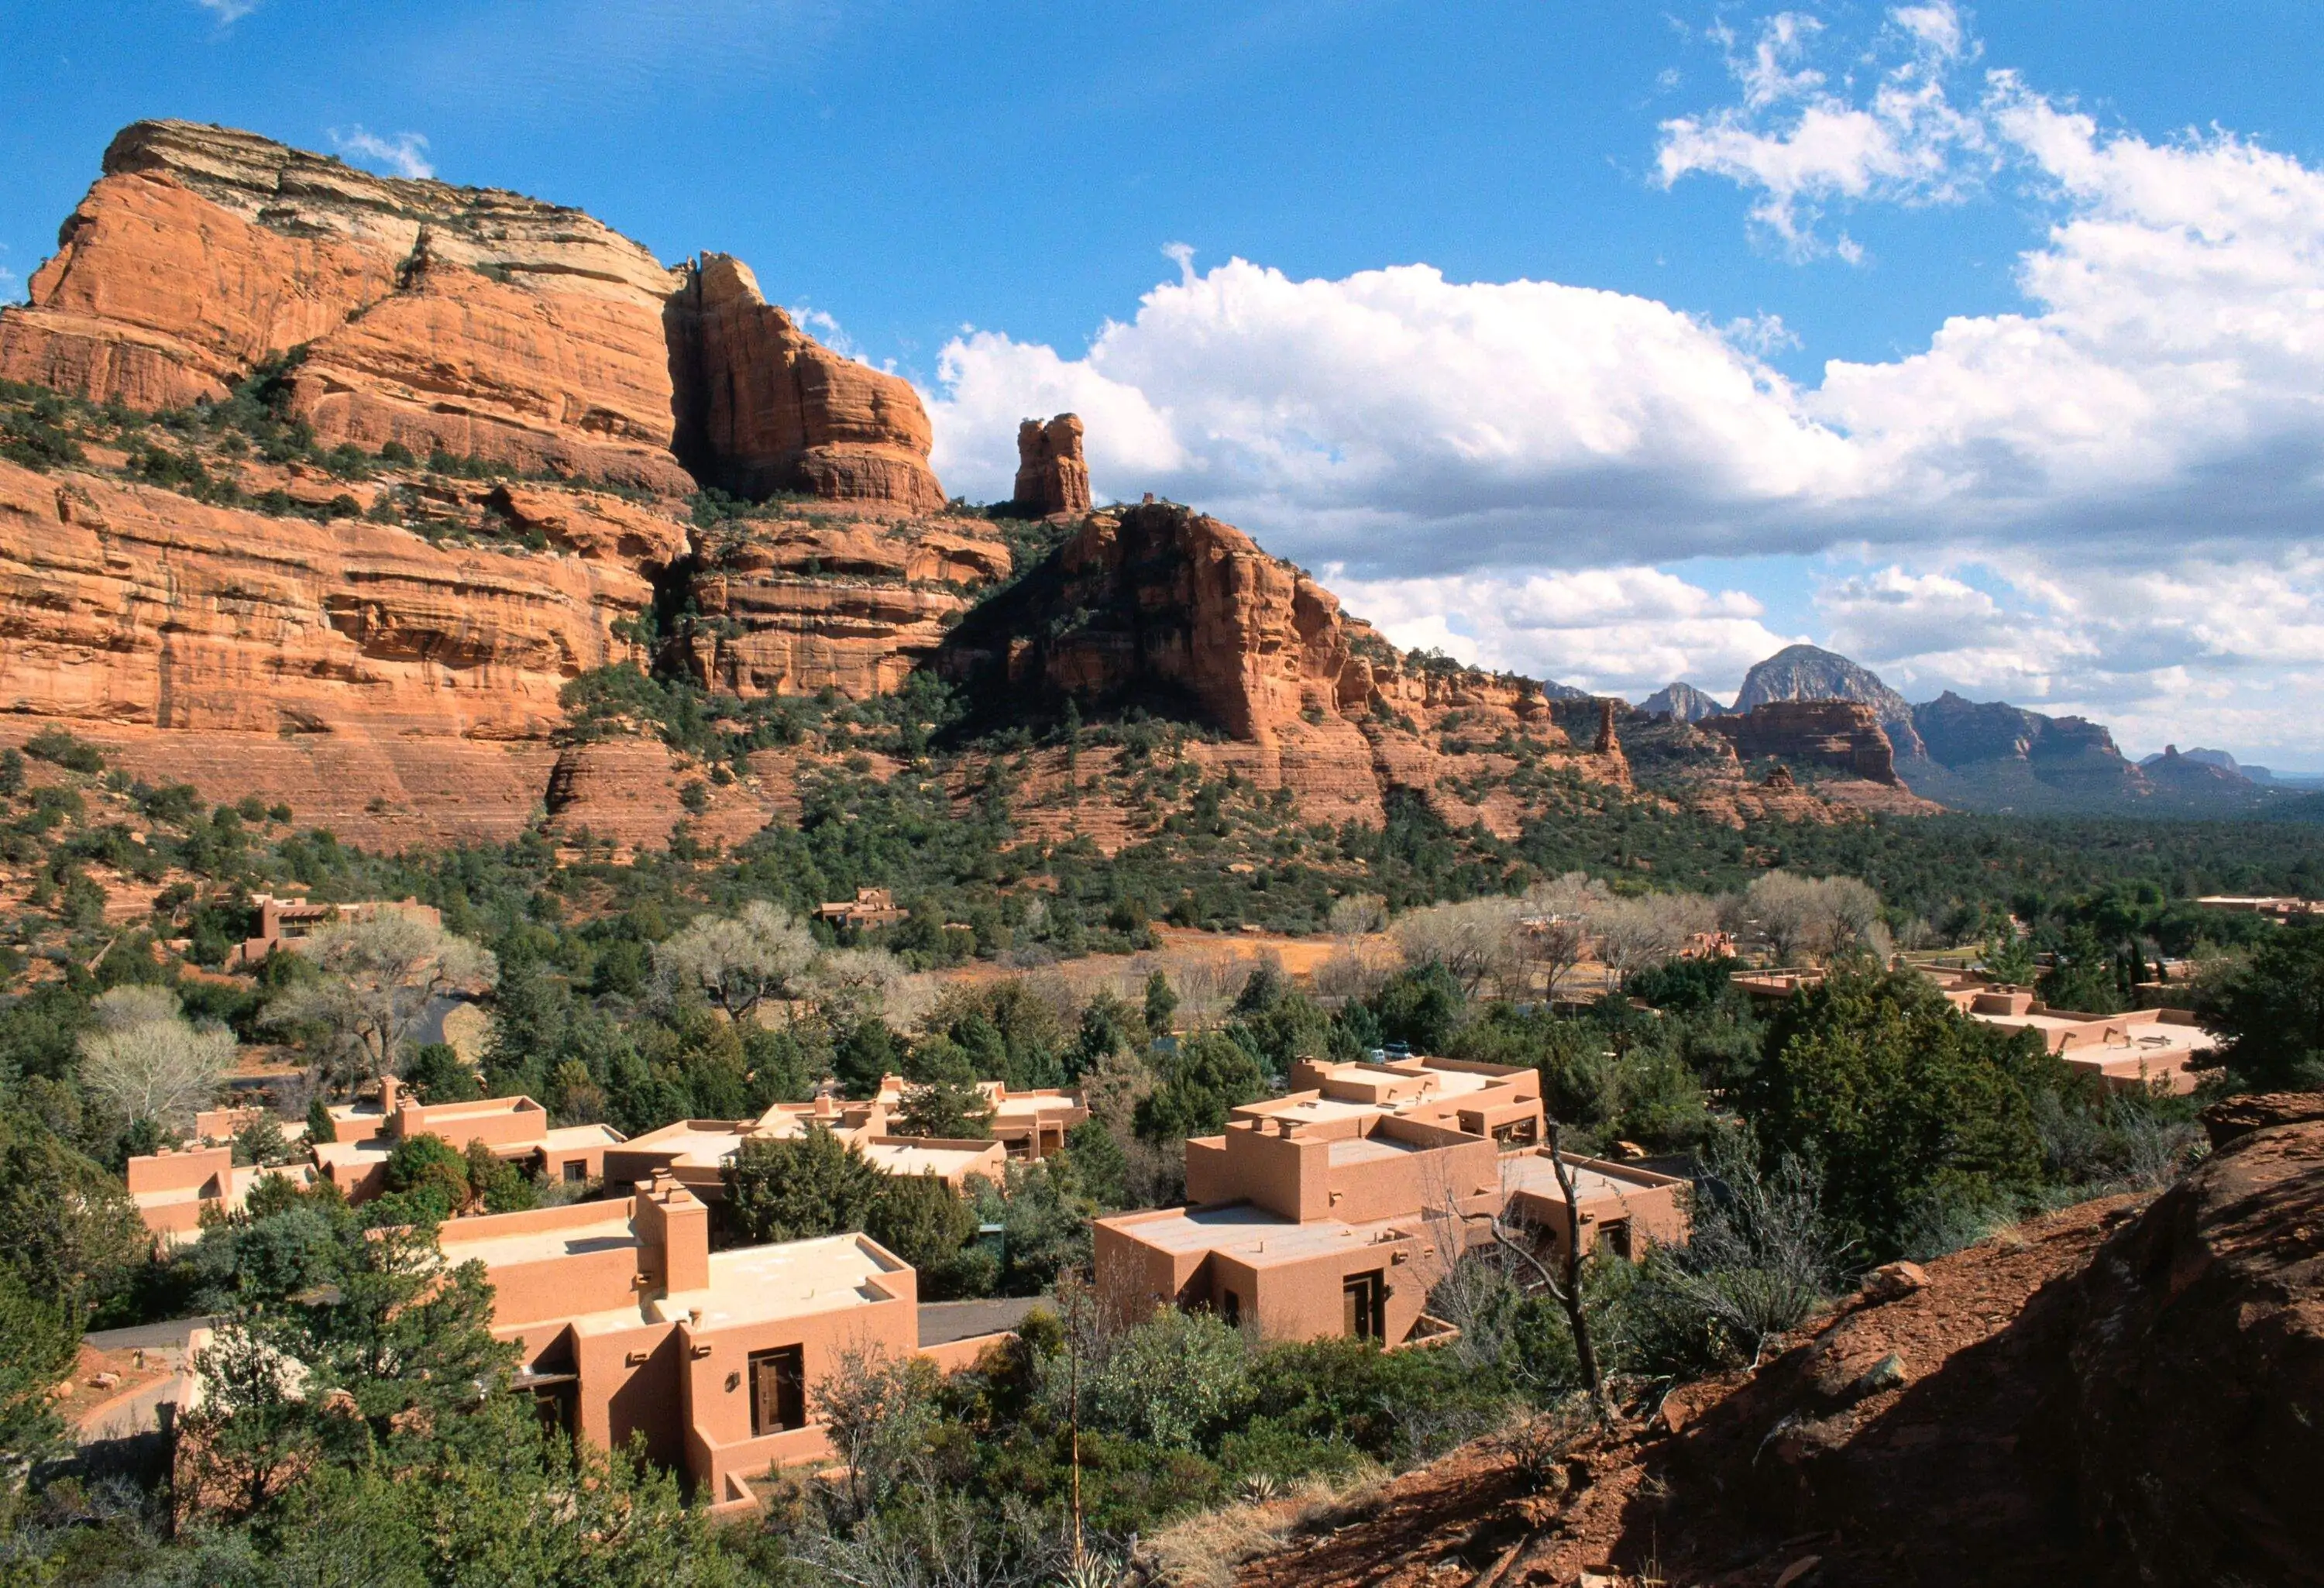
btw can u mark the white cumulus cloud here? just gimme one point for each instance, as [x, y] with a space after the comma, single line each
[2134, 457]
[403, 155]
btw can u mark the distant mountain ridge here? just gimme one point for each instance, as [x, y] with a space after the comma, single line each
[1683, 702]
[1807, 673]
[1991, 755]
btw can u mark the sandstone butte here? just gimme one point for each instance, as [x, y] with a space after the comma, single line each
[403, 689]
[474, 322]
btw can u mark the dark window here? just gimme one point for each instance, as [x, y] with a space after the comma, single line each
[575, 1172]
[1616, 1237]
[1364, 1306]
[1231, 1308]
[778, 1390]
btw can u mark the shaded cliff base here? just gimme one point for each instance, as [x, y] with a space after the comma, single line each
[2117, 1392]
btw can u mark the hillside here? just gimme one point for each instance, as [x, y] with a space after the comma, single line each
[446, 514]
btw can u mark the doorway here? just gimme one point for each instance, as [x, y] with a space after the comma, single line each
[778, 1390]
[1363, 1304]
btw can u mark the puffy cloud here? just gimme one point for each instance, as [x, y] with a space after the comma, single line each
[1512, 419]
[403, 155]
[1626, 630]
[2135, 458]
[2197, 650]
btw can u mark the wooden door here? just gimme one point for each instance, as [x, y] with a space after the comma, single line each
[778, 1390]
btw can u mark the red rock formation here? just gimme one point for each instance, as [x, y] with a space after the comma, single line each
[1172, 602]
[473, 321]
[803, 603]
[764, 407]
[391, 689]
[1839, 733]
[1052, 475]
[2188, 1393]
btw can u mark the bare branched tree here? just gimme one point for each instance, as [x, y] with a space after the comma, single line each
[379, 975]
[1476, 940]
[146, 1062]
[1813, 919]
[739, 960]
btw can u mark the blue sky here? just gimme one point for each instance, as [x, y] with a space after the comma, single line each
[1597, 436]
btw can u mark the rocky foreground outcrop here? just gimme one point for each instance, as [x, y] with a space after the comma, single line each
[2191, 1407]
[472, 321]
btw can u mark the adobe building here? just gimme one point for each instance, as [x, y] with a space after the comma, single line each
[173, 1188]
[2142, 1050]
[871, 906]
[515, 1130]
[291, 921]
[628, 1323]
[1025, 1125]
[1334, 1211]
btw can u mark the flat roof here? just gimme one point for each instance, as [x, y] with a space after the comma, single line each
[610, 1233]
[564, 1136]
[1349, 1149]
[694, 1142]
[344, 1152]
[1319, 1108]
[792, 1279]
[1532, 1172]
[904, 1158]
[1250, 1234]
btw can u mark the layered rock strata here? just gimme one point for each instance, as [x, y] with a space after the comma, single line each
[1052, 475]
[793, 606]
[387, 688]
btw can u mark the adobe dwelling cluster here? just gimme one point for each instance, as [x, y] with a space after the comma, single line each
[1025, 1125]
[629, 1326]
[2139, 1050]
[1333, 1210]
[173, 1189]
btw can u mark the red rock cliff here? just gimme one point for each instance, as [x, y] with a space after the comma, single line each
[763, 407]
[472, 320]
[1839, 734]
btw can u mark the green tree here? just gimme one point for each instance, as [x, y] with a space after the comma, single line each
[39, 1340]
[2269, 1011]
[1209, 1073]
[67, 1228]
[1161, 1004]
[1176, 1380]
[394, 1364]
[1904, 1103]
[1420, 1007]
[923, 1221]
[431, 1172]
[439, 1074]
[953, 1110]
[319, 1124]
[793, 1188]
[1099, 1163]
[497, 1185]
[1045, 1221]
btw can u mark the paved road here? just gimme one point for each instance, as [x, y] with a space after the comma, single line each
[942, 1321]
[170, 1332]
